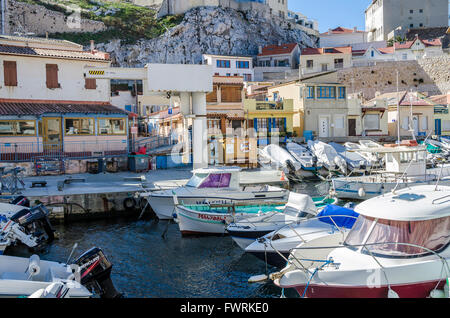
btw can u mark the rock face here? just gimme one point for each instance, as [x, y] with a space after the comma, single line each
[212, 30]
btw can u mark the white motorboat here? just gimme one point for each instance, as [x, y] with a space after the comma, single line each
[405, 166]
[299, 207]
[218, 185]
[89, 275]
[310, 168]
[355, 161]
[375, 161]
[274, 248]
[398, 247]
[327, 156]
[281, 159]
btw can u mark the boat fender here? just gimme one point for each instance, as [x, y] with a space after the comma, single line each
[33, 266]
[361, 192]
[129, 203]
[392, 294]
[258, 278]
[437, 293]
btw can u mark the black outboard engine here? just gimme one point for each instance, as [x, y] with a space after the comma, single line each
[290, 167]
[95, 273]
[36, 222]
[22, 201]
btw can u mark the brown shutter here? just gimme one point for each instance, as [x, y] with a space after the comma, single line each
[212, 97]
[90, 83]
[52, 75]
[10, 73]
[225, 93]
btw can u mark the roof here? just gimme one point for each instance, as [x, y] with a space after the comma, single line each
[56, 53]
[341, 30]
[327, 50]
[418, 203]
[278, 49]
[441, 99]
[230, 80]
[405, 99]
[27, 107]
[37, 40]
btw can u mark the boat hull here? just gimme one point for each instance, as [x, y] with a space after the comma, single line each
[413, 290]
[272, 258]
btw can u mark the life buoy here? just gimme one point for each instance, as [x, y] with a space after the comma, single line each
[361, 192]
[129, 203]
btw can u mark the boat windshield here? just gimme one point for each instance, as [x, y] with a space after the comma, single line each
[217, 180]
[196, 180]
[385, 235]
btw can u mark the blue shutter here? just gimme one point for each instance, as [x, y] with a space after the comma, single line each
[255, 124]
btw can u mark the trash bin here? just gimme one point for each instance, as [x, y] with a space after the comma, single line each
[309, 135]
[138, 163]
[101, 165]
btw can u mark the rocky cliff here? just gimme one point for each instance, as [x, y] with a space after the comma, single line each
[212, 30]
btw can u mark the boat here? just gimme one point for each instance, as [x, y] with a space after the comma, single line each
[355, 161]
[88, 276]
[405, 166]
[220, 185]
[310, 168]
[399, 247]
[274, 248]
[328, 157]
[299, 206]
[282, 159]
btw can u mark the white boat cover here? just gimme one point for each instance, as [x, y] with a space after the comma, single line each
[281, 156]
[354, 159]
[301, 154]
[300, 202]
[327, 154]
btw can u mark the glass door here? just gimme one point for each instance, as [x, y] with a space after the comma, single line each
[52, 134]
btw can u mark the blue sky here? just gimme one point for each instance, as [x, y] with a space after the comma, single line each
[333, 13]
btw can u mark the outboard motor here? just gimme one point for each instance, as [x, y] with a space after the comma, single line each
[22, 201]
[36, 222]
[290, 167]
[95, 273]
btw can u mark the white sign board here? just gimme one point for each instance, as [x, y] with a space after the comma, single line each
[180, 77]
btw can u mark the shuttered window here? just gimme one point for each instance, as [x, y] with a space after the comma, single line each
[212, 97]
[52, 75]
[10, 73]
[90, 83]
[231, 94]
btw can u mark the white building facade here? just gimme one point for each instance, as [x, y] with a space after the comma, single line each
[223, 65]
[385, 16]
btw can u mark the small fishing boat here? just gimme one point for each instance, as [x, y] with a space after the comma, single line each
[374, 160]
[12, 234]
[310, 168]
[274, 248]
[355, 161]
[299, 207]
[405, 166]
[219, 185]
[328, 157]
[89, 275]
[399, 247]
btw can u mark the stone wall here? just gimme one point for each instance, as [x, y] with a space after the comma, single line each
[23, 17]
[430, 75]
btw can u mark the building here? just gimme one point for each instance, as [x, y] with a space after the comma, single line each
[277, 61]
[367, 118]
[320, 107]
[340, 36]
[385, 16]
[416, 113]
[230, 66]
[46, 104]
[441, 114]
[303, 23]
[277, 8]
[315, 60]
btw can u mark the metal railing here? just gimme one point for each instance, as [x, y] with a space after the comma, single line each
[30, 151]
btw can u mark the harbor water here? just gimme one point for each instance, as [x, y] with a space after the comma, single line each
[147, 263]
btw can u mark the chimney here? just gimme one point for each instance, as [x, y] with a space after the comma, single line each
[92, 45]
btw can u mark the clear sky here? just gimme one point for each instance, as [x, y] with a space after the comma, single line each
[333, 13]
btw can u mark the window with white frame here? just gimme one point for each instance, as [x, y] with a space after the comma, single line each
[372, 122]
[424, 122]
[339, 122]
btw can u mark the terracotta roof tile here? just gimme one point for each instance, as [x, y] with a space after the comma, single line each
[84, 55]
[341, 30]
[36, 108]
[278, 49]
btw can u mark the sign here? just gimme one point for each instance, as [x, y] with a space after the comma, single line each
[96, 72]
[134, 130]
[170, 111]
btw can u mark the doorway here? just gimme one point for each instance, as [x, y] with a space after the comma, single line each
[323, 127]
[352, 127]
[52, 133]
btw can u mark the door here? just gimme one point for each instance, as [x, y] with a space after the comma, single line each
[323, 127]
[352, 127]
[437, 125]
[51, 134]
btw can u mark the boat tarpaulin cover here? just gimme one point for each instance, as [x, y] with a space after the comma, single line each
[344, 217]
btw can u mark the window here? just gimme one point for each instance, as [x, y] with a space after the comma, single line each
[262, 123]
[424, 123]
[17, 128]
[247, 77]
[280, 124]
[411, 25]
[212, 97]
[309, 64]
[324, 67]
[10, 73]
[112, 126]
[223, 64]
[339, 122]
[405, 56]
[372, 53]
[311, 94]
[372, 122]
[338, 63]
[342, 93]
[79, 126]
[52, 75]
[421, 24]
[421, 10]
[405, 123]
[90, 83]
[231, 94]
[216, 180]
[242, 64]
[326, 92]
[384, 236]
[411, 11]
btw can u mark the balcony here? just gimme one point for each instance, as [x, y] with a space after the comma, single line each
[270, 105]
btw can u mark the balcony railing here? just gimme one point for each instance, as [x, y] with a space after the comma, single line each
[270, 106]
